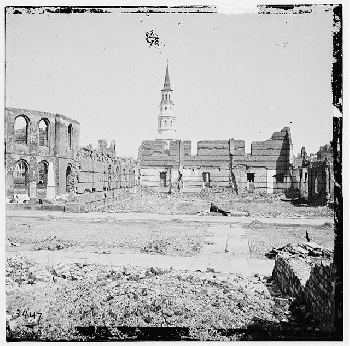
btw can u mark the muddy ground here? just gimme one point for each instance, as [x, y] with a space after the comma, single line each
[47, 302]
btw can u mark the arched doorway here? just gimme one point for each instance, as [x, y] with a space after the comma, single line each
[21, 178]
[42, 169]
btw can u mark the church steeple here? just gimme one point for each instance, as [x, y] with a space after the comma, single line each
[166, 118]
[167, 85]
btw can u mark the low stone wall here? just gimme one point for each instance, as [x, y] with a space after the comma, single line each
[309, 281]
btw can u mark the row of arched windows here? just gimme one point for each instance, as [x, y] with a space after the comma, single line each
[21, 175]
[21, 128]
[165, 124]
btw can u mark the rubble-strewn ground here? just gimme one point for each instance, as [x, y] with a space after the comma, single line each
[176, 237]
[54, 233]
[48, 302]
[257, 204]
[263, 237]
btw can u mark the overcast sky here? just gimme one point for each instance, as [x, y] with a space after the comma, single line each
[241, 76]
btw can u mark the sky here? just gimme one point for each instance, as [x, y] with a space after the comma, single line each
[241, 76]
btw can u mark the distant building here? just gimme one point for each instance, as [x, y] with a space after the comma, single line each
[166, 164]
[325, 152]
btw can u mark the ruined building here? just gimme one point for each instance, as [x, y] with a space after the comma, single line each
[101, 177]
[39, 152]
[316, 175]
[43, 160]
[167, 164]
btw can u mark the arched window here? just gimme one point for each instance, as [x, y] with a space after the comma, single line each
[43, 132]
[166, 96]
[70, 133]
[21, 177]
[68, 178]
[171, 123]
[43, 168]
[160, 123]
[21, 130]
[165, 123]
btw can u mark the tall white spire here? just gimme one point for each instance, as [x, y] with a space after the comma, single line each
[166, 118]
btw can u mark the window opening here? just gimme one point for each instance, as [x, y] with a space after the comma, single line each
[206, 179]
[43, 133]
[21, 130]
[70, 131]
[250, 177]
[279, 178]
[163, 179]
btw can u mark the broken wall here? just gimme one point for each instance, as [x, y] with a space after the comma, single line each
[210, 168]
[221, 164]
[312, 283]
[99, 177]
[276, 155]
[159, 163]
[320, 183]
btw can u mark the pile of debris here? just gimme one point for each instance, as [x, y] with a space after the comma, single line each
[306, 249]
[19, 270]
[259, 196]
[52, 243]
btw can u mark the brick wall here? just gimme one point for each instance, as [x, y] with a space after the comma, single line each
[225, 161]
[100, 178]
[310, 281]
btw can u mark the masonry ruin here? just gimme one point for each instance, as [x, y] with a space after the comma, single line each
[43, 162]
[169, 165]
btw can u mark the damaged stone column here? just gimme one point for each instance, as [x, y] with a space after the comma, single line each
[32, 190]
[51, 186]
